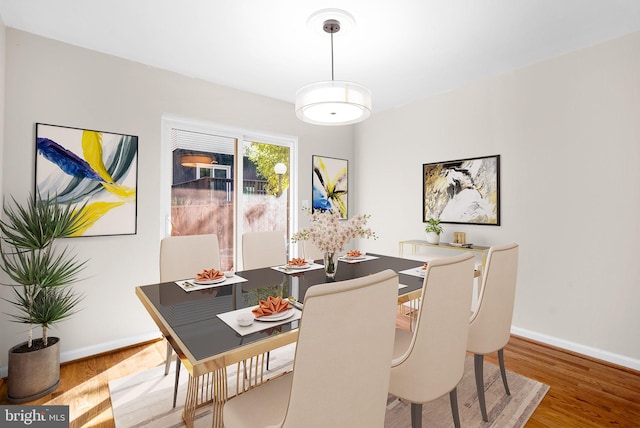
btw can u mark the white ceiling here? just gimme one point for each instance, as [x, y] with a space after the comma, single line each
[403, 50]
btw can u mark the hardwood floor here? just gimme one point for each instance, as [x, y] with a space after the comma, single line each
[584, 392]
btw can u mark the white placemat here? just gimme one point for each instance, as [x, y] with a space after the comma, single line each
[413, 271]
[231, 319]
[416, 271]
[287, 270]
[401, 286]
[363, 259]
[189, 284]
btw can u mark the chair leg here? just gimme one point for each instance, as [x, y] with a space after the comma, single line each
[478, 360]
[453, 398]
[503, 372]
[175, 385]
[267, 360]
[167, 363]
[416, 415]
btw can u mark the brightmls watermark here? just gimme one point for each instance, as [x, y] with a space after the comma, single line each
[34, 416]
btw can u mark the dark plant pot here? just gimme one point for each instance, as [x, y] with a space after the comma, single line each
[33, 374]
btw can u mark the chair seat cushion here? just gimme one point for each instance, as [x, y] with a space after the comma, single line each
[267, 403]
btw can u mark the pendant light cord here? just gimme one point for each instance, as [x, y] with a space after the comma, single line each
[331, 56]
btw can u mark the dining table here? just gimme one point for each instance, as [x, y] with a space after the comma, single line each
[201, 323]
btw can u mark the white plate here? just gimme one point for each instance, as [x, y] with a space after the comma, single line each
[305, 266]
[210, 281]
[421, 271]
[277, 317]
[353, 258]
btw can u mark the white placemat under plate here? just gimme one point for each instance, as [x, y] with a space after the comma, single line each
[231, 319]
[189, 284]
[419, 272]
[363, 259]
[291, 271]
[414, 271]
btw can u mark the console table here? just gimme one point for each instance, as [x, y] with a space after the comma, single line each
[415, 243]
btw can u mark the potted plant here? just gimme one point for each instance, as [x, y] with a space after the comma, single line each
[41, 273]
[433, 230]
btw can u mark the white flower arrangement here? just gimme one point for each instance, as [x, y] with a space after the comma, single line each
[330, 233]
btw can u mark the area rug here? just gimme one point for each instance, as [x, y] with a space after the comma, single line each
[144, 399]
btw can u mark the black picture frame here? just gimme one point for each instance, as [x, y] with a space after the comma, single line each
[462, 191]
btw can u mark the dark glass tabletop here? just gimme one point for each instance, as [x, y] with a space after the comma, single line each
[193, 315]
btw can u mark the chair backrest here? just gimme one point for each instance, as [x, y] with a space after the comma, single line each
[263, 249]
[309, 250]
[434, 361]
[182, 257]
[344, 352]
[490, 324]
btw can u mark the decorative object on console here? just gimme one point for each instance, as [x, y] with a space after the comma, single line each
[41, 273]
[330, 234]
[465, 191]
[433, 230]
[333, 102]
[330, 185]
[459, 238]
[95, 168]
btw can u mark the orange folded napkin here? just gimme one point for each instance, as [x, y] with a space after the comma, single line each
[297, 262]
[354, 253]
[424, 266]
[209, 274]
[272, 305]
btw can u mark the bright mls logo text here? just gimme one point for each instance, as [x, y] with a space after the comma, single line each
[37, 415]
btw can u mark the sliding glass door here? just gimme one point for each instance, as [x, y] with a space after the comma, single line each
[226, 183]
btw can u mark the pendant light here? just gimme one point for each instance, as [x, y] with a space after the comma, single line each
[333, 102]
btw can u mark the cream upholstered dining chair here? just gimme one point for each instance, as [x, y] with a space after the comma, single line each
[429, 362]
[490, 324]
[341, 367]
[182, 257]
[263, 249]
[309, 251]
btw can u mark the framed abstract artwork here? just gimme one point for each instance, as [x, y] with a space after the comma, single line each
[330, 185]
[91, 169]
[465, 191]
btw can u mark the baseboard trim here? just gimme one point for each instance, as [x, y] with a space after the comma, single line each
[599, 354]
[100, 348]
[91, 351]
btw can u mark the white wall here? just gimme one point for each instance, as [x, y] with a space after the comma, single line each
[55, 83]
[3, 36]
[568, 132]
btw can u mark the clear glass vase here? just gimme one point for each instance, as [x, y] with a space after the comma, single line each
[330, 264]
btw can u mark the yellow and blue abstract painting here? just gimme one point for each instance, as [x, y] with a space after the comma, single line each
[330, 185]
[91, 169]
